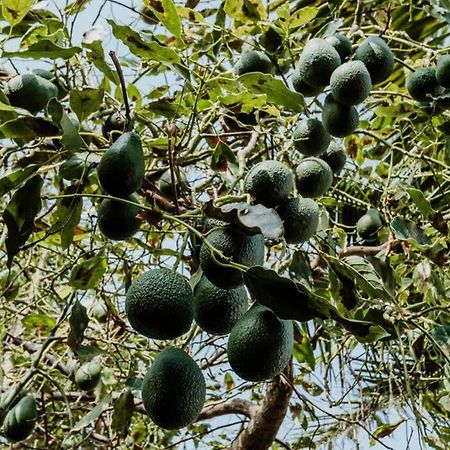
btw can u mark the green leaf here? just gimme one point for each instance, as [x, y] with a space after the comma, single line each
[406, 230]
[421, 202]
[88, 273]
[147, 50]
[276, 91]
[329, 28]
[167, 13]
[78, 321]
[44, 49]
[300, 268]
[69, 215]
[93, 414]
[15, 10]
[85, 101]
[20, 213]
[122, 413]
[39, 322]
[245, 10]
[223, 159]
[97, 56]
[303, 351]
[15, 179]
[28, 128]
[385, 430]
[303, 16]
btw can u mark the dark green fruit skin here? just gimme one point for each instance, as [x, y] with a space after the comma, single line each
[113, 126]
[422, 84]
[443, 71]
[165, 183]
[260, 344]
[173, 389]
[160, 304]
[310, 137]
[317, 62]
[62, 88]
[342, 44]
[335, 157]
[339, 120]
[233, 243]
[117, 220]
[313, 177]
[304, 88]
[254, 61]
[269, 182]
[30, 92]
[377, 57]
[350, 83]
[88, 376]
[300, 218]
[217, 310]
[20, 421]
[368, 224]
[121, 169]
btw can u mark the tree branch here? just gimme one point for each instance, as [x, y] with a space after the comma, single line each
[231, 406]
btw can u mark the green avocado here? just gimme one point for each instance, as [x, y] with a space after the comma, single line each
[443, 71]
[233, 243]
[342, 44]
[113, 126]
[160, 304]
[317, 62]
[260, 344]
[20, 421]
[165, 183]
[422, 84]
[50, 76]
[118, 220]
[216, 310]
[335, 157]
[310, 137]
[313, 177]
[88, 375]
[304, 88]
[338, 119]
[173, 389]
[350, 83]
[269, 182]
[369, 224]
[30, 92]
[121, 169]
[300, 218]
[377, 57]
[254, 61]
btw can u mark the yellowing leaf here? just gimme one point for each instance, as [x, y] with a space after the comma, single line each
[166, 12]
[245, 10]
[303, 16]
[15, 10]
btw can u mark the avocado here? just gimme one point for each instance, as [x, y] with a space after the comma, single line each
[422, 84]
[317, 62]
[335, 157]
[254, 61]
[342, 44]
[260, 344]
[443, 71]
[72, 168]
[269, 182]
[234, 243]
[50, 76]
[310, 137]
[113, 126]
[369, 224]
[118, 220]
[304, 88]
[121, 169]
[300, 218]
[350, 83]
[338, 119]
[216, 310]
[30, 92]
[165, 183]
[377, 57]
[20, 421]
[173, 389]
[160, 304]
[313, 177]
[88, 375]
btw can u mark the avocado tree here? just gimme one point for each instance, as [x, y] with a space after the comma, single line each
[224, 224]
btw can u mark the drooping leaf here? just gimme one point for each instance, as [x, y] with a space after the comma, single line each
[28, 128]
[421, 202]
[300, 268]
[303, 351]
[15, 10]
[406, 230]
[329, 28]
[385, 430]
[122, 413]
[96, 55]
[69, 214]
[78, 321]
[223, 158]
[85, 101]
[15, 179]
[44, 49]
[167, 13]
[386, 273]
[20, 213]
[93, 414]
[88, 273]
[276, 91]
[148, 50]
